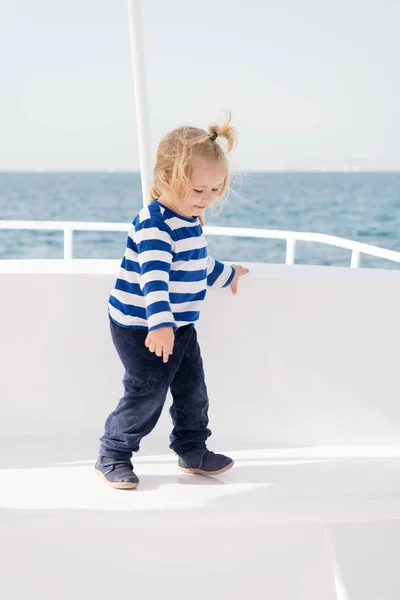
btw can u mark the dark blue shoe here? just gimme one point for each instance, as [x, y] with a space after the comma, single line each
[204, 462]
[116, 472]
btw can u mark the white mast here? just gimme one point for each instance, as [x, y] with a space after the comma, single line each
[139, 82]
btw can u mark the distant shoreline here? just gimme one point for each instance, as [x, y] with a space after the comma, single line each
[344, 171]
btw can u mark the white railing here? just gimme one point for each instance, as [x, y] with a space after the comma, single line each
[291, 237]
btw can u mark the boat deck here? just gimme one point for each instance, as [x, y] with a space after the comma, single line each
[302, 373]
[285, 523]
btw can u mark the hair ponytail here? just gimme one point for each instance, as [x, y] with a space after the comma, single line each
[225, 131]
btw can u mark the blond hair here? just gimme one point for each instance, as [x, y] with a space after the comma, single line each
[177, 151]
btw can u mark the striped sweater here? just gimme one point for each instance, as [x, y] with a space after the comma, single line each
[165, 271]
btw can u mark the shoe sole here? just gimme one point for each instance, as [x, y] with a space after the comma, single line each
[201, 472]
[117, 485]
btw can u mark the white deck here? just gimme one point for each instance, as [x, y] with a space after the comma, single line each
[306, 403]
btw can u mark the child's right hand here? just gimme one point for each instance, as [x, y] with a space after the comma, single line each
[161, 341]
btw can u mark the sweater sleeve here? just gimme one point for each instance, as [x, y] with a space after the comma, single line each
[218, 274]
[154, 247]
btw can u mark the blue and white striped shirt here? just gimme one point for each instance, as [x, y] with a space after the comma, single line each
[165, 271]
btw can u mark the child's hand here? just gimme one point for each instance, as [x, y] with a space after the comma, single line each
[161, 341]
[239, 271]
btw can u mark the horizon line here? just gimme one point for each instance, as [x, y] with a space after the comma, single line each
[349, 170]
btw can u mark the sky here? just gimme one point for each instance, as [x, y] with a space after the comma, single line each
[312, 84]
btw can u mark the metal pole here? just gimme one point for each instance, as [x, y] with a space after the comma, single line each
[290, 250]
[68, 242]
[139, 82]
[355, 259]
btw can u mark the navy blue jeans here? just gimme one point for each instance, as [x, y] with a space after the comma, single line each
[146, 382]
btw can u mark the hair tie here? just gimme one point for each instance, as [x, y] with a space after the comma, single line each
[213, 136]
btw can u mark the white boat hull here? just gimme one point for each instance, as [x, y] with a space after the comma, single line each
[302, 371]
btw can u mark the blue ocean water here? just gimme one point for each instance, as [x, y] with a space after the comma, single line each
[359, 206]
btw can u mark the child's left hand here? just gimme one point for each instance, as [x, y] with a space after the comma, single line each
[239, 271]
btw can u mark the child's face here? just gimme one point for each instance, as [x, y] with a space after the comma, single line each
[205, 185]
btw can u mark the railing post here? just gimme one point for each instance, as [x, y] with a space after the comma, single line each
[355, 259]
[68, 241]
[290, 250]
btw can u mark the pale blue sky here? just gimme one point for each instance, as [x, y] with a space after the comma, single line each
[310, 82]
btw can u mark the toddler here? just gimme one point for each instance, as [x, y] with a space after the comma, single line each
[156, 302]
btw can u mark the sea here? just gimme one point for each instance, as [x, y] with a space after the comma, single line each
[354, 205]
